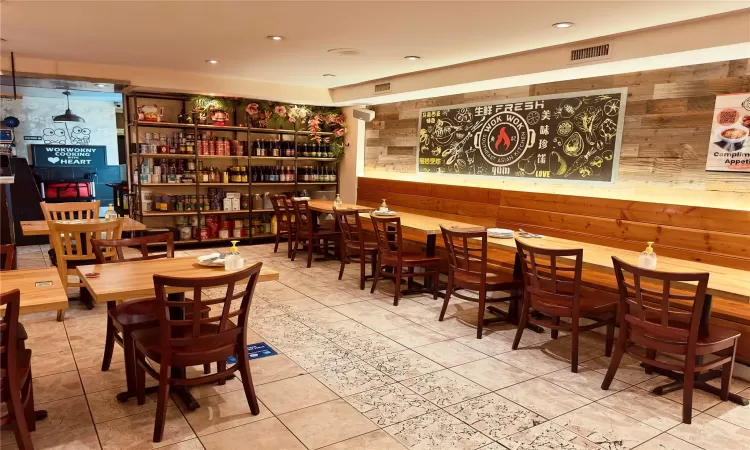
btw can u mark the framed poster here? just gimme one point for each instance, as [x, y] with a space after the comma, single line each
[69, 155]
[729, 147]
[573, 137]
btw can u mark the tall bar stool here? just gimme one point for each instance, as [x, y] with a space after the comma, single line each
[553, 288]
[650, 319]
[354, 245]
[391, 254]
[285, 225]
[467, 250]
[308, 232]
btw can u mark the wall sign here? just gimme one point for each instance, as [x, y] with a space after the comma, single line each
[562, 137]
[729, 148]
[69, 155]
[32, 138]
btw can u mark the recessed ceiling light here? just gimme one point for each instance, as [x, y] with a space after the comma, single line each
[101, 85]
[275, 38]
[212, 61]
[328, 75]
[411, 58]
[562, 24]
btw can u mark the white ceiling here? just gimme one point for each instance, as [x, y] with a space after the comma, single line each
[182, 35]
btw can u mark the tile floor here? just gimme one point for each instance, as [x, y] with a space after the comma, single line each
[355, 372]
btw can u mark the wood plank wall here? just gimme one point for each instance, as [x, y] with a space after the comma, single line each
[715, 236]
[666, 134]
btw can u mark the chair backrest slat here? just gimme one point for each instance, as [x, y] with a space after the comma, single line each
[70, 210]
[283, 210]
[303, 214]
[552, 275]
[104, 247]
[388, 236]
[8, 338]
[350, 225]
[467, 250]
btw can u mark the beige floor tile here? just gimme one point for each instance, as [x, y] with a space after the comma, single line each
[414, 336]
[52, 363]
[319, 357]
[298, 305]
[708, 433]
[94, 380]
[492, 373]
[702, 401]
[207, 390]
[732, 412]
[78, 324]
[390, 404]
[273, 368]
[104, 405]
[436, 431]
[63, 415]
[449, 353]
[57, 387]
[666, 441]
[490, 345]
[350, 376]
[374, 440]
[451, 327]
[92, 357]
[222, 412]
[585, 382]
[332, 298]
[318, 316]
[370, 345]
[543, 397]
[294, 393]
[137, 431]
[646, 407]
[190, 444]
[605, 427]
[533, 360]
[46, 337]
[408, 309]
[444, 388]
[267, 434]
[403, 365]
[312, 425]
[84, 438]
[549, 436]
[361, 308]
[629, 371]
[345, 329]
[495, 416]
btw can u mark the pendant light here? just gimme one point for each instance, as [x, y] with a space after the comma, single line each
[68, 116]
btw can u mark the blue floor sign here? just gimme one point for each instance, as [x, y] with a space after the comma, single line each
[255, 351]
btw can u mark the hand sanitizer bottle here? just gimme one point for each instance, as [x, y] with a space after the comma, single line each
[110, 214]
[337, 202]
[233, 261]
[647, 260]
[383, 207]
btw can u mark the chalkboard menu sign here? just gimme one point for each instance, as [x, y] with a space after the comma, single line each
[69, 155]
[563, 137]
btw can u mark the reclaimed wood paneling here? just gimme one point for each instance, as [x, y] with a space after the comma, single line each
[666, 133]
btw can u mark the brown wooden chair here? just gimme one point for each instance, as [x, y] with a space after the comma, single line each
[553, 288]
[133, 315]
[16, 387]
[467, 250]
[391, 254]
[308, 232]
[70, 210]
[181, 342]
[285, 225]
[354, 245]
[72, 245]
[650, 319]
[8, 251]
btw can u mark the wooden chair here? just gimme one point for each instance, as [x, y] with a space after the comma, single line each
[133, 315]
[70, 210]
[16, 387]
[354, 245]
[467, 250]
[308, 232]
[8, 251]
[72, 245]
[285, 226]
[181, 342]
[391, 253]
[553, 288]
[649, 319]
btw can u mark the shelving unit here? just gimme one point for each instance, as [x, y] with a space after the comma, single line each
[136, 160]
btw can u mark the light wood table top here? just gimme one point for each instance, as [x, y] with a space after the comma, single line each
[425, 224]
[725, 282]
[135, 279]
[36, 298]
[326, 206]
[40, 228]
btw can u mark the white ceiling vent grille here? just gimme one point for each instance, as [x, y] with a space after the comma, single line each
[590, 53]
[383, 88]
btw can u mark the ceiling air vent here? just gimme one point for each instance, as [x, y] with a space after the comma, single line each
[383, 88]
[589, 53]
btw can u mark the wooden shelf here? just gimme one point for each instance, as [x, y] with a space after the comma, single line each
[168, 213]
[290, 158]
[167, 184]
[224, 184]
[222, 128]
[165, 155]
[274, 184]
[310, 158]
[263, 235]
[221, 157]
[164, 124]
[262, 211]
[225, 239]
[318, 182]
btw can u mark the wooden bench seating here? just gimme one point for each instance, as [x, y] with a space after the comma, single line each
[713, 236]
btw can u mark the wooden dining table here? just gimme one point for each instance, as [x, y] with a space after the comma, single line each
[122, 281]
[40, 227]
[41, 289]
[326, 206]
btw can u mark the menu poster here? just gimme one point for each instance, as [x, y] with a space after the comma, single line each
[729, 148]
[562, 137]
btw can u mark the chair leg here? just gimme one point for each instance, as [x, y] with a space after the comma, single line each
[650, 354]
[295, 247]
[140, 379]
[555, 333]
[522, 319]
[435, 283]
[247, 384]
[687, 392]
[362, 274]
[29, 409]
[575, 335]
[220, 367]
[343, 264]
[610, 339]
[60, 315]
[480, 318]
[448, 293]
[397, 294]
[278, 239]
[310, 248]
[614, 363]
[376, 276]
[128, 346]
[109, 342]
[21, 429]
[161, 403]
[726, 374]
